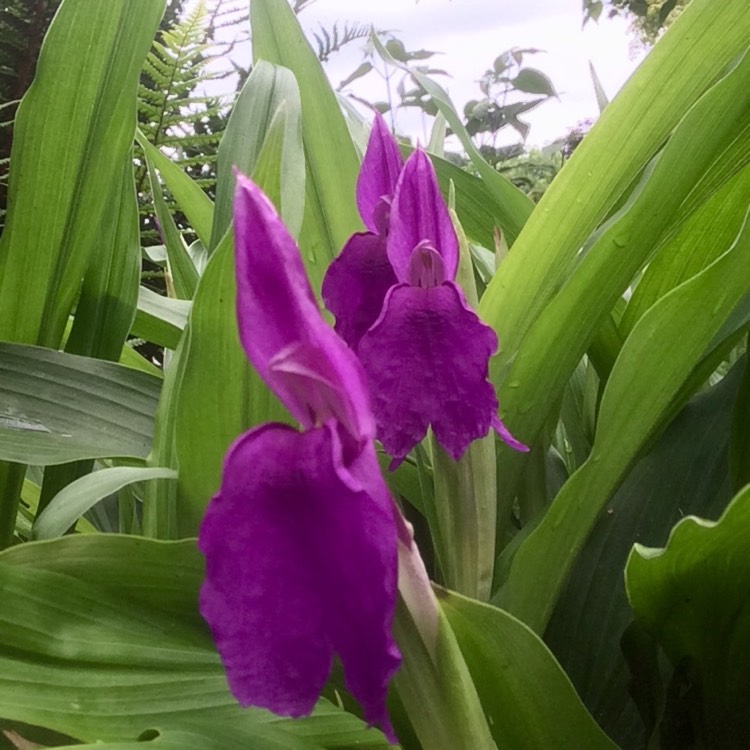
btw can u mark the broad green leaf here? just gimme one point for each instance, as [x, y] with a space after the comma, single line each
[693, 597]
[220, 395]
[684, 473]
[211, 414]
[529, 700]
[57, 407]
[191, 199]
[72, 134]
[102, 641]
[106, 308]
[160, 498]
[182, 272]
[514, 207]
[330, 157]
[159, 319]
[605, 267]
[267, 88]
[700, 240]
[654, 363]
[703, 40]
[80, 496]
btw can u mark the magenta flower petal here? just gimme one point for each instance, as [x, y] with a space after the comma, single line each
[301, 564]
[379, 172]
[418, 216]
[426, 360]
[293, 349]
[355, 285]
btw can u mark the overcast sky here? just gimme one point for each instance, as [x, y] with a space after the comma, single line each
[471, 33]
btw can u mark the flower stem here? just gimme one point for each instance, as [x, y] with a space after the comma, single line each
[433, 682]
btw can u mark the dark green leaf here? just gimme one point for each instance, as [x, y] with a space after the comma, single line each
[692, 596]
[532, 81]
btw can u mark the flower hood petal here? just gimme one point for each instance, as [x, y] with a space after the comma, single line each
[379, 172]
[419, 215]
[294, 350]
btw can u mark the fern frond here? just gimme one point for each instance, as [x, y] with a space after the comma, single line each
[332, 41]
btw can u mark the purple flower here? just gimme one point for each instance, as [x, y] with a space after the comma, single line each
[396, 303]
[301, 539]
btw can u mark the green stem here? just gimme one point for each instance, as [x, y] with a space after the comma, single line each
[433, 682]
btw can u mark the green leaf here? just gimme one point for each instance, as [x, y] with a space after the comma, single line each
[602, 271]
[693, 597]
[159, 319]
[57, 407]
[330, 212]
[602, 100]
[106, 307]
[700, 44]
[80, 496]
[528, 699]
[182, 270]
[684, 473]
[479, 209]
[267, 89]
[361, 70]
[191, 199]
[210, 416]
[433, 683]
[654, 363]
[72, 134]
[532, 81]
[698, 242]
[102, 641]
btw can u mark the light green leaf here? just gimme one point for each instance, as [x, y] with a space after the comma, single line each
[528, 699]
[191, 199]
[72, 134]
[698, 242]
[210, 415]
[159, 319]
[606, 265]
[699, 45]
[331, 159]
[220, 395]
[267, 89]
[106, 307]
[182, 270]
[80, 496]
[693, 597]
[57, 407]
